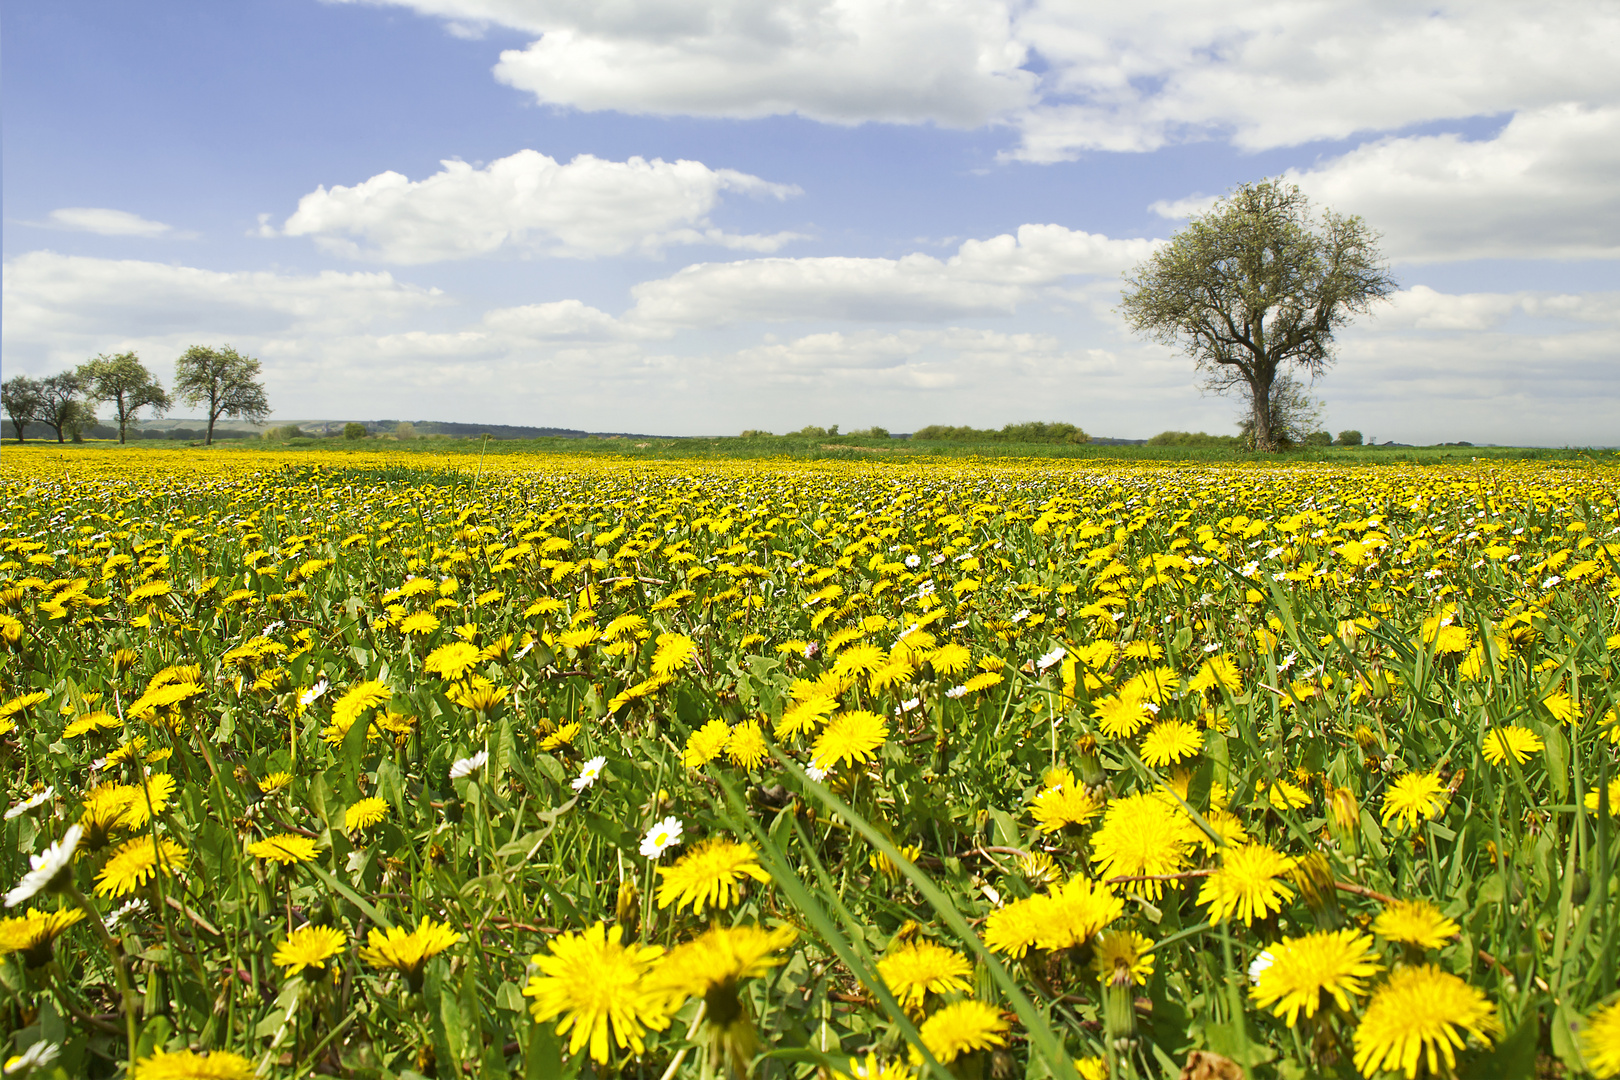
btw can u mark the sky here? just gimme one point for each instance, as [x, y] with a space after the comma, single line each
[684, 217]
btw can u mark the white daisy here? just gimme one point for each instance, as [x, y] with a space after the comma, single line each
[1051, 658]
[468, 765]
[42, 1055]
[588, 774]
[29, 803]
[1259, 964]
[50, 869]
[662, 836]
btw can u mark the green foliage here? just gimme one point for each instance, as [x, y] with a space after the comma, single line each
[224, 381]
[1033, 432]
[125, 382]
[1195, 438]
[354, 431]
[1350, 437]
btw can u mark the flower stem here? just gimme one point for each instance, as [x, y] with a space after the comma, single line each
[115, 950]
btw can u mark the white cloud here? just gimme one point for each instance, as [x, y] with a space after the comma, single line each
[951, 62]
[1110, 77]
[104, 222]
[1541, 188]
[530, 203]
[984, 277]
[1286, 72]
[61, 308]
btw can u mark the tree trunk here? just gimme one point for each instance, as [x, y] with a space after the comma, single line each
[1260, 399]
[208, 440]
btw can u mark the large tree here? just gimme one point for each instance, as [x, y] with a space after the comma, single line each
[60, 405]
[124, 381]
[1257, 286]
[20, 396]
[225, 380]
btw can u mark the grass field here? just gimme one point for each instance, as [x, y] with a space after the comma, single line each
[441, 760]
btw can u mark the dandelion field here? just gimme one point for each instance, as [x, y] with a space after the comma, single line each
[544, 766]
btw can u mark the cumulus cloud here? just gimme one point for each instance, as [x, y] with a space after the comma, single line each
[64, 307]
[531, 204]
[104, 222]
[1541, 188]
[951, 62]
[984, 277]
[1071, 75]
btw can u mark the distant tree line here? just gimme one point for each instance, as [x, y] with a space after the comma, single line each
[1033, 432]
[222, 380]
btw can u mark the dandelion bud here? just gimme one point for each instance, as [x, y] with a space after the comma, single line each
[1314, 876]
[628, 907]
[1344, 818]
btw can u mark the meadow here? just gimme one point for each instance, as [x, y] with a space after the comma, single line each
[405, 763]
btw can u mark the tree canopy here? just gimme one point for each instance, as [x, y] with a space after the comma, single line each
[1256, 286]
[124, 381]
[20, 397]
[225, 381]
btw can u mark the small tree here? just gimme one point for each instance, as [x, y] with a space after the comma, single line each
[1255, 288]
[1352, 437]
[60, 407]
[354, 431]
[124, 381]
[405, 430]
[225, 380]
[20, 395]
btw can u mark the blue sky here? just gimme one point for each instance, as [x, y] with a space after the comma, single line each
[683, 217]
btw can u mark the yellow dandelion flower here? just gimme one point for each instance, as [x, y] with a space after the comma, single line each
[1600, 1041]
[950, 659]
[95, 721]
[365, 813]
[711, 872]
[960, 1028]
[1287, 795]
[34, 932]
[274, 781]
[673, 653]
[802, 717]
[307, 949]
[420, 624]
[1414, 797]
[1415, 922]
[1143, 834]
[718, 959]
[408, 951]
[983, 681]
[1592, 798]
[873, 1067]
[746, 747]
[597, 986]
[450, 662]
[1421, 1014]
[1247, 885]
[705, 744]
[1511, 741]
[137, 862]
[284, 848]
[850, 737]
[1170, 741]
[1120, 716]
[563, 736]
[1074, 913]
[1061, 806]
[1303, 970]
[1561, 706]
[1123, 958]
[918, 968]
[191, 1065]
[356, 700]
[1014, 927]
